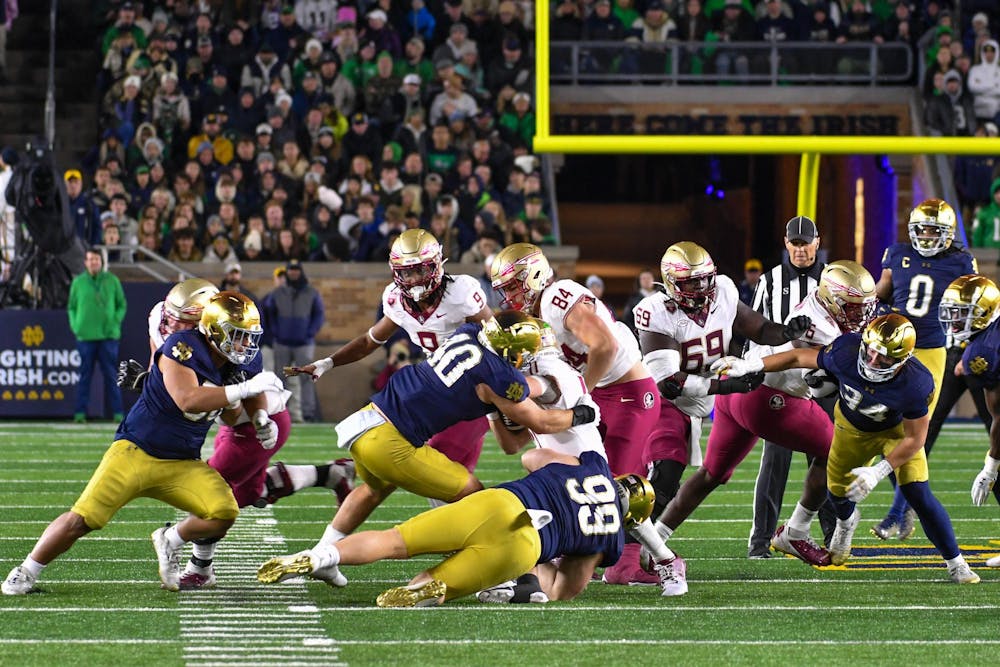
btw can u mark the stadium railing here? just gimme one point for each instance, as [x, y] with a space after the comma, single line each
[604, 62]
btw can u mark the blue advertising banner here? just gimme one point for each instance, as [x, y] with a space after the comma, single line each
[40, 365]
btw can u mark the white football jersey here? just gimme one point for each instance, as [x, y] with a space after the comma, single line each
[571, 388]
[156, 334]
[700, 346]
[556, 302]
[823, 331]
[462, 298]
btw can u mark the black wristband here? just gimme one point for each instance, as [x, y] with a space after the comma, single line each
[583, 414]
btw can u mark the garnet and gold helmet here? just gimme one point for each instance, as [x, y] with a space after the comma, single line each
[417, 263]
[636, 498]
[932, 227]
[847, 291]
[184, 303]
[689, 277]
[520, 272]
[513, 335]
[969, 304]
[231, 323]
[886, 344]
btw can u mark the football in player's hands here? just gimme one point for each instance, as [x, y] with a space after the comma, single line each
[821, 384]
[510, 424]
[796, 326]
[131, 375]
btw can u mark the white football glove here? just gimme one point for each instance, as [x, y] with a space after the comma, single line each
[735, 367]
[866, 479]
[258, 384]
[267, 430]
[983, 484]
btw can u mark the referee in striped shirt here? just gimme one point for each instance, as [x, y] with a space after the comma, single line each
[778, 292]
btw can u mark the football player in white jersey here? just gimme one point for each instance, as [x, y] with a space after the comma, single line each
[428, 305]
[781, 411]
[681, 333]
[604, 351]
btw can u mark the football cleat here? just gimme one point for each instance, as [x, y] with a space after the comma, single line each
[277, 485]
[843, 535]
[628, 571]
[281, 568]
[961, 573]
[168, 559]
[990, 562]
[192, 580]
[886, 529]
[426, 594]
[908, 525]
[805, 549]
[672, 575]
[525, 590]
[341, 478]
[18, 582]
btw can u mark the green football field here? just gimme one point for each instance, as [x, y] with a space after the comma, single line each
[101, 603]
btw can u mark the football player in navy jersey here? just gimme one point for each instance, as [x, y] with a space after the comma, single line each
[156, 452]
[881, 411]
[914, 276]
[567, 506]
[458, 382]
[970, 310]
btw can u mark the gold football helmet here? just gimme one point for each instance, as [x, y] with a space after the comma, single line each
[847, 291]
[932, 227]
[513, 335]
[636, 498]
[231, 323]
[886, 343]
[520, 272]
[969, 304]
[689, 276]
[417, 263]
[184, 303]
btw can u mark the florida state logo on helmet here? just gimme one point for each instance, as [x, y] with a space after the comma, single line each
[689, 277]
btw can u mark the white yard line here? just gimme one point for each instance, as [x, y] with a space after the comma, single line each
[214, 623]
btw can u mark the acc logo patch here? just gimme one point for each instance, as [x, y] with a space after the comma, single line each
[515, 392]
[978, 366]
[181, 352]
[776, 402]
[648, 400]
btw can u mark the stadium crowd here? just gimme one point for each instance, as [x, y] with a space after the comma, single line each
[316, 130]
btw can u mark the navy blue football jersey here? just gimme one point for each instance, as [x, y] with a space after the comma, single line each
[583, 501]
[918, 283]
[427, 398]
[876, 406]
[155, 423]
[981, 358]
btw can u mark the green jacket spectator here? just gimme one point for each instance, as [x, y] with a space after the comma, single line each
[986, 227]
[96, 306]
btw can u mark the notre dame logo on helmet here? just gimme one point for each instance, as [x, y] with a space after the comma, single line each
[181, 351]
[978, 366]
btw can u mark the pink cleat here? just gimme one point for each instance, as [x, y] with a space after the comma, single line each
[805, 549]
[627, 571]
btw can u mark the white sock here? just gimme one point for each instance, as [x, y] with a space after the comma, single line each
[664, 530]
[173, 537]
[325, 556]
[33, 567]
[204, 551]
[650, 538]
[302, 476]
[798, 525]
[956, 561]
[435, 503]
[330, 535]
